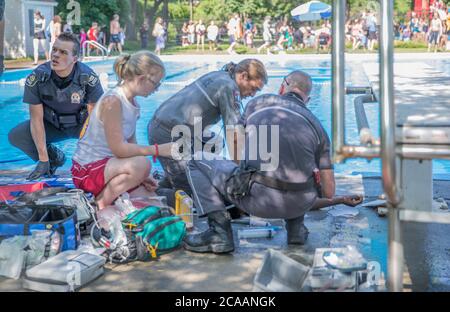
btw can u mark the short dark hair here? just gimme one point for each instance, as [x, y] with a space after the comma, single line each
[72, 38]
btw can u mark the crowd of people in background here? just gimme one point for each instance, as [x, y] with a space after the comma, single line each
[432, 28]
[281, 35]
[278, 35]
[45, 35]
[362, 32]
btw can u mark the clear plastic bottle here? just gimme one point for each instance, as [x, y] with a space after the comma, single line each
[121, 208]
[183, 208]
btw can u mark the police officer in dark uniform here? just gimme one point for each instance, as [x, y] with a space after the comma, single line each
[297, 178]
[212, 97]
[60, 94]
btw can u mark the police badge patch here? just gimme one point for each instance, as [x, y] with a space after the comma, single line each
[31, 80]
[76, 98]
[93, 80]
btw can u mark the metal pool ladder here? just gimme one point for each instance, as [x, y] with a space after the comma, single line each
[390, 151]
[87, 51]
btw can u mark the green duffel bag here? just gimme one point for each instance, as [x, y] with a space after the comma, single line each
[152, 231]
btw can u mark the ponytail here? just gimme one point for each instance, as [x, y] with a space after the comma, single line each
[253, 67]
[120, 67]
[128, 66]
[230, 68]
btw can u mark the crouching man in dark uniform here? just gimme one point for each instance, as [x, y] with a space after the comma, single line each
[298, 177]
[60, 94]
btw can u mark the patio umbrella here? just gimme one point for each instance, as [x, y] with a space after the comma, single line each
[311, 11]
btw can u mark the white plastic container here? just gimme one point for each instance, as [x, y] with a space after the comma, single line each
[256, 233]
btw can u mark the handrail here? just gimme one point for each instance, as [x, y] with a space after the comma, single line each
[95, 44]
[406, 151]
[387, 110]
[387, 113]
[338, 79]
[388, 146]
[389, 149]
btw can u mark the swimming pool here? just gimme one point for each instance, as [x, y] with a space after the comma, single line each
[14, 111]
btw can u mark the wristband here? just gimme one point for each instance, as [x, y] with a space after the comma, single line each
[156, 153]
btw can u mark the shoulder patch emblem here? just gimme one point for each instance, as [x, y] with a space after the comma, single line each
[31, 80]
[93, 80]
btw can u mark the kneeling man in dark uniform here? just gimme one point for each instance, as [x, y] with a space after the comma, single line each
[60, 94]
[297, 177]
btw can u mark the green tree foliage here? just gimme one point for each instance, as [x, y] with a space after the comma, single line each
[100, 11]
[222, 9]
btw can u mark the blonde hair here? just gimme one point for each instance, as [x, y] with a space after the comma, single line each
[57, 19]
[254, 68]
[128, 66]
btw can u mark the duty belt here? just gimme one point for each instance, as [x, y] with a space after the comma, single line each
[240, 182]
[280, 184]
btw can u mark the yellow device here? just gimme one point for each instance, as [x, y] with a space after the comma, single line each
[183, 208]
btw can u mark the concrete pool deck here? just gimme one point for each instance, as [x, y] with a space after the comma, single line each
[426, 248]
[422, 93]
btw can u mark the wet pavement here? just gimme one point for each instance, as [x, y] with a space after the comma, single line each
[427, 252]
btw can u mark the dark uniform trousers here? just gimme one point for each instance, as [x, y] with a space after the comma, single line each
[174, 170]
[20, 137]
[208, 182]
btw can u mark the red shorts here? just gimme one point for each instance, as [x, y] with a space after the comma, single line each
[91, 177]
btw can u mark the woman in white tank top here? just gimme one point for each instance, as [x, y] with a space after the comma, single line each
[108, 161]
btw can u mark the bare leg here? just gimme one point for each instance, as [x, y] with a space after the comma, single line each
[36, 50]
[122, 175]
[47, 57]
[110, 47]
[231, 47]
[264, 46]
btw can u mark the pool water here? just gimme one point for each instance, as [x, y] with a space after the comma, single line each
[14, 111]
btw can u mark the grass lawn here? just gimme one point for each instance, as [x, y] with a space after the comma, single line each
[171, 48]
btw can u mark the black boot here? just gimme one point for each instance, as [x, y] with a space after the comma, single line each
[217, 239]
[56, 158]
[297, 232]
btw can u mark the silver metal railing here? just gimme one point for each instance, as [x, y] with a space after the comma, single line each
[386, 61]
[338, 79]
[86, 51]
[388, 150]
